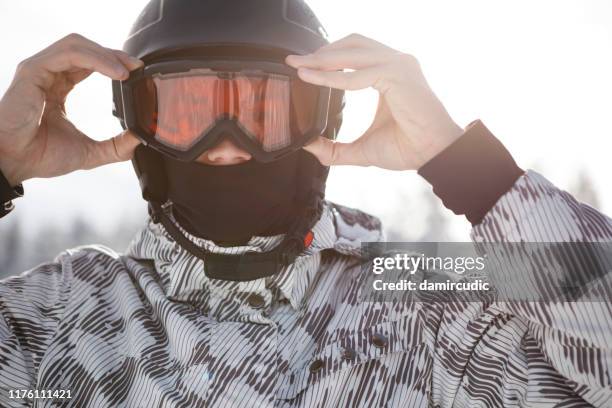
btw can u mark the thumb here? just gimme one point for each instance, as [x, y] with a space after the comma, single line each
[116, 149]
[332, 153]
[124, 145]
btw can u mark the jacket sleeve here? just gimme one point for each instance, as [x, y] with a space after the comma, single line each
[7, 194]
[31, 306]
[574, 336]
[477, 177]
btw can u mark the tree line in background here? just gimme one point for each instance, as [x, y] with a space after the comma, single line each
[20, 251]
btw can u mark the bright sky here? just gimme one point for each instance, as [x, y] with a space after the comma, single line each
[536, 72]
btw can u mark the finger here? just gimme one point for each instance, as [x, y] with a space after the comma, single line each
[91, 60]
[349, 81]
[112, 55]
[77, 57]
[59, 55]
[353, 41]
[131, 63]
[350, 58]
[124, 145]
[116, 149]
[332, 153]
[79, 75]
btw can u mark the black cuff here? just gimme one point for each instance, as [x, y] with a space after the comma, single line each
[470, 175]
[7, 195]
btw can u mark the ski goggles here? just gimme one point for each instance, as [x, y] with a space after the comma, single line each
[183, 108]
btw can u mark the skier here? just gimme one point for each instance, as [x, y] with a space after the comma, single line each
[243, 289]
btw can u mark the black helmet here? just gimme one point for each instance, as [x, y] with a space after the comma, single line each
[278, 25]
[168, 29]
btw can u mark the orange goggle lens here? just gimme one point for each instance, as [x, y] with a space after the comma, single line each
[179, 109]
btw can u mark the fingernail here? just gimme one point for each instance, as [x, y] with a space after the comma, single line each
[297, 58]
[136, 61]
[122, 72]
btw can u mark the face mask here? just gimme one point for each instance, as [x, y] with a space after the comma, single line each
[230, 204]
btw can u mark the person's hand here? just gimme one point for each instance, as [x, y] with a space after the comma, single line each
[36, 138]
[411, 125]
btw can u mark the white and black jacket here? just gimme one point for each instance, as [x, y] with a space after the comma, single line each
[148, 328]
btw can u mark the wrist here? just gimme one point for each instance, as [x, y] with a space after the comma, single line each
[441, 136]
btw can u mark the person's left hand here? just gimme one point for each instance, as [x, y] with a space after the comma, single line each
[411, 125]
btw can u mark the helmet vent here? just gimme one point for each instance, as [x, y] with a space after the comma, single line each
[298, 12]
[150, 15]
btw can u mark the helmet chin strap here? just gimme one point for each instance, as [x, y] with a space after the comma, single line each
[244, 267]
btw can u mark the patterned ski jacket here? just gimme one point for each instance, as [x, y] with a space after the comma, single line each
[150, 329]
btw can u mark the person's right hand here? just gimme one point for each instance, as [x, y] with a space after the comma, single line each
[36, 138]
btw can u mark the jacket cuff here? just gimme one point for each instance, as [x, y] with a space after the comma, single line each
[7, 194]
[471, 174]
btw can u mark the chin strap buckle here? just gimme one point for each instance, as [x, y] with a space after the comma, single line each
[308, 239]
[156, 211]
[167, 207]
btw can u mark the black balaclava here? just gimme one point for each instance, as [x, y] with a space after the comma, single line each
[230, 204]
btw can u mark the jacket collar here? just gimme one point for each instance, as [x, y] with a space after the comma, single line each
[183, 279]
